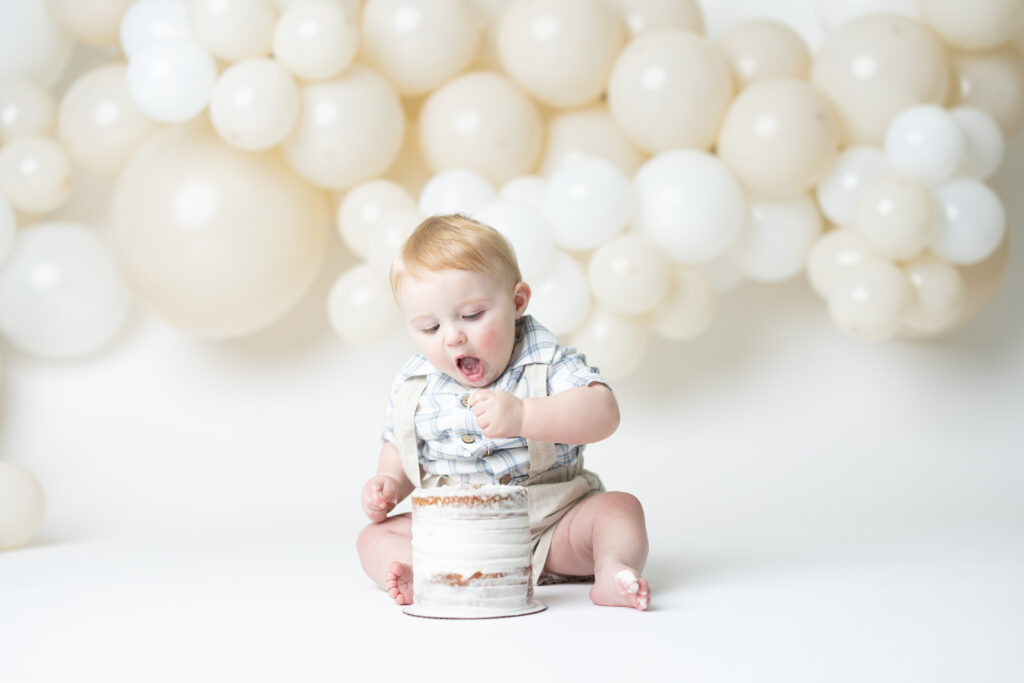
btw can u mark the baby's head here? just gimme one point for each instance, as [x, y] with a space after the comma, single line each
[458, 285]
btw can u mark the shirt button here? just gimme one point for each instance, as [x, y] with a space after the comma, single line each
[464, 400]
[505, 479]
[468, 438]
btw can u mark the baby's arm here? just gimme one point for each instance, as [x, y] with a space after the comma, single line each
[577, 416]
[382, 492]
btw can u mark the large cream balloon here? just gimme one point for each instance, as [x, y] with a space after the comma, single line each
[655, 84]
[877, 65]
[96, 22]
[780, 137]
[233, 29]
[217, 241]
[644, 16]
[22, 506]
[977, 25]
[993, 81]
[758, 49]
[349, 130]
[99, 122]
[481, 121]
[588, 132]
[561, 52]
[26, 108]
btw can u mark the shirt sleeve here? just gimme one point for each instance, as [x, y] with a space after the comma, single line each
[569, 369]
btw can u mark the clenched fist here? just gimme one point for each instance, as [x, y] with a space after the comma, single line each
[498, 413]
[380, 495]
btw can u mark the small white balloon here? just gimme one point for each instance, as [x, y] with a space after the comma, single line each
[524, 227]
[614, 344]
[26, 108]
[689, 307]
[925, 143]
[32, 45]
[457, 190]
[254, 104]
[361, 209]
[972, 221]
[856, 167]
[561, 299]
[8, 228]
[22, 506]
[35, 174]
[833, 253]
[985, 142]
[149, 21]
[361, 308]
[171, 80]
[895, 217]
[525, 189]
[315, 39]
[777, 239]
[870, 300]
[387, 237]
[587, 201]
[60, 293]
[690, 204]
[628, 275]
[940, 295]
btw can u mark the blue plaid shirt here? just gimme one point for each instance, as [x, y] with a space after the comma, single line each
[443, 418]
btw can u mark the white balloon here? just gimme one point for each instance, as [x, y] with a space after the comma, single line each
[524, 227]
[561, 299]
[8, 228]
[869, 300]
[689, 307]
[457, 190]
[148, 21]
[690, 204]
[833, 253]
[925, 143]
[615, 344]
[22, 506]
[60, 293]
[384, 241]
[32, 45]
[628, 275]
[940, 295]
[856, 167]
[525, 189]
[777, 239]
[254, 104]
[985, 142]
[362, 208]
[315, 39]
[587, 201]
[360, 306]
[171, 80]
[972, 221]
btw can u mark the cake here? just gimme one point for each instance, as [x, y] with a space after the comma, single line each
[471, 552]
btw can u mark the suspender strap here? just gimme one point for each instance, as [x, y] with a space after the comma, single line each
[405, 426]
[542, 455]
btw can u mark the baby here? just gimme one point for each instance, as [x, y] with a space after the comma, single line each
[492, 399]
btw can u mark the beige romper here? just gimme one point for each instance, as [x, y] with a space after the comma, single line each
[550, 493]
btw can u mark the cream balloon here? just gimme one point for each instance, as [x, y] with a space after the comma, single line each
[8, 228]
[95, 22]
[233, 29]
[777, 239]
[171, 80]
[418, 45]
[360, 306]
[561, 299]
[875, 66]
[350, 129]
[645, 16]
[22, 506]
[60, 293]
[780, 137]
[32, 45]
[26, 108]
[615, 344]
[832, 14]
[457, 190]
[481, 121]
[219, 242]
[315, 39]
[940, 295]
[99, 123]
[655, 82]
[895, 217]
[35, 174]
[362, 208]
[832, 254]
[870, 300]
[385, 240]
[760, 49]
[688, 308]
[628, 275]
[254, 104]
[981, 25]
[588, 132]
[993, 81]
[561, 52]
[856, 167]
[985, 144]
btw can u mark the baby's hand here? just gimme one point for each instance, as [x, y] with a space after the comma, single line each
[498, 413]
[380, 495]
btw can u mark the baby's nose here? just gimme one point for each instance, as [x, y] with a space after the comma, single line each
[456, 337]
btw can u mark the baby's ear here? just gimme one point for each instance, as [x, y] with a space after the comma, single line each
[521, 297]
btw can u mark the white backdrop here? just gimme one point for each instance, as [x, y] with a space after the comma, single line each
[819, 508]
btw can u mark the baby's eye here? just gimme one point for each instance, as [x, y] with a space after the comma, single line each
[472, 316]
[430, 330]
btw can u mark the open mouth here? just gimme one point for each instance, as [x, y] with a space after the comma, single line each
[472, 368]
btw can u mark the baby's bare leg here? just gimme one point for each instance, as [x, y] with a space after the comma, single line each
[385, 551]
[604, 535]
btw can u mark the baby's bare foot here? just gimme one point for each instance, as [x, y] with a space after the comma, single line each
[399, 583]
[620, 586]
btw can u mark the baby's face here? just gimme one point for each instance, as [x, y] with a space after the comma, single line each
[463, 322]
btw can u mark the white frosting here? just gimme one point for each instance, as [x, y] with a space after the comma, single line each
[471, 550]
